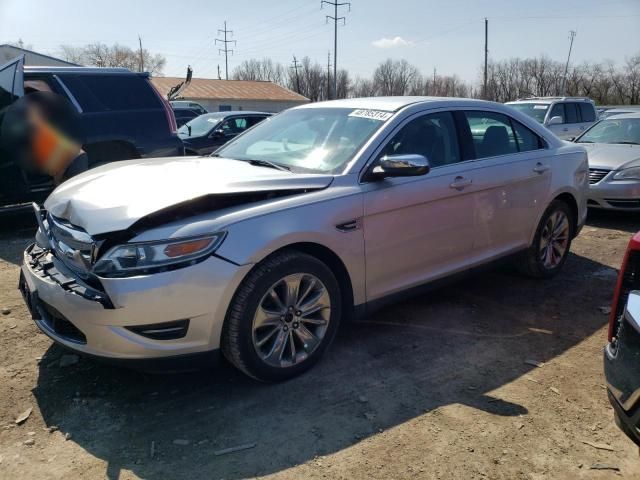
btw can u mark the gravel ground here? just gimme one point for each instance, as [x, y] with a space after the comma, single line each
[435, 387]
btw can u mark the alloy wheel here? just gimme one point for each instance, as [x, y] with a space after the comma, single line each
[291, 320]
[554, 240]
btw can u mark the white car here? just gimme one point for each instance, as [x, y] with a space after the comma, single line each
[318, 212]
[566, 117]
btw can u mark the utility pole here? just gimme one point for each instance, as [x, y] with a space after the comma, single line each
[226, 50]
[219, 76]
[572, 34]
[486, 57]
[328, 75]
[295, 67]
[335, 19]
[141, 56]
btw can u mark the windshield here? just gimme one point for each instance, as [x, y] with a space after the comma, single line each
[536, 111]
[318, 140]
[626, 131]
[200, 125]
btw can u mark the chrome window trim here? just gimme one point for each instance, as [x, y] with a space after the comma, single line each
[70, 95]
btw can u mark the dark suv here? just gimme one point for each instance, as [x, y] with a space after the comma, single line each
[122, 115]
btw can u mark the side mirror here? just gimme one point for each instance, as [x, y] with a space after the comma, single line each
[217, 133]
[571, 139]
[409, 165]
[557, 120]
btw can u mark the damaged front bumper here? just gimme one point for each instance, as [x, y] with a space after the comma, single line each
[158, 316]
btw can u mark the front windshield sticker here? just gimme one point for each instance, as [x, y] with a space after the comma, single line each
[372, 114]
[540, 107]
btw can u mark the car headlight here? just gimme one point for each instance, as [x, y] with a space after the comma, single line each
[632, 173]
[149, 257]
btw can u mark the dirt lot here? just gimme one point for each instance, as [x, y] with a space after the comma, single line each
[435, 387]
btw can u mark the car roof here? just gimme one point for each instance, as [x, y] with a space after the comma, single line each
[234, 112]
[83, 70]
[623, 116]
[393, 104]
[549, 100]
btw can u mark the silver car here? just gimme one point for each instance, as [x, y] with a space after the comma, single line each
[320, 212]
[613, 146]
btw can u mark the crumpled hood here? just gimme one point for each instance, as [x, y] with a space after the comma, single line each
[611, 155]
[115, 196]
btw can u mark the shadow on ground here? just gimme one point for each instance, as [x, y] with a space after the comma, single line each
[625, 221]
[454, 345]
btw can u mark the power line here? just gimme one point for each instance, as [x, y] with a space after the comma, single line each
[226, 49]
[335, 19]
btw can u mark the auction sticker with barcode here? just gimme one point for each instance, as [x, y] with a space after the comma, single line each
[372, 114]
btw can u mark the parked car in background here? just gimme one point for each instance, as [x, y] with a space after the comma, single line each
[206, 133]
[122, 114]
[184, 115]
[613, 146]
[566, 117]
[262, 251]
[618, 111]
[622, 353]
[195, 106]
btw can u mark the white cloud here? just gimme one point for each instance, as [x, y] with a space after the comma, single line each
[391, 42]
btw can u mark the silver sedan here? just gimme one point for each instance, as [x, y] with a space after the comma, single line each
[613, 146]
[320, 212]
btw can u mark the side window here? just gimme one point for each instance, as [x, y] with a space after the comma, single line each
[571, 109]
[492, 134]
[234, 126]
[7, 84]
[588, 112]
[527, 140]
[558, 111]
[433, 136]
[117, 92]
[254, 120]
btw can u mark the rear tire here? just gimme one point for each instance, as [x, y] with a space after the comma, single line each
[552, 241]
[282, 318]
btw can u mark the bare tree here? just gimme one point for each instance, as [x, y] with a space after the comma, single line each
[261, 70]
[102, 55]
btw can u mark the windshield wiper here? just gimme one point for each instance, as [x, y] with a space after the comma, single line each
[627, 143]
[584, 141]
[267, 163]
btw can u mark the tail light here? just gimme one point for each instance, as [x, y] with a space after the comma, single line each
[628, 280]
[171, 119]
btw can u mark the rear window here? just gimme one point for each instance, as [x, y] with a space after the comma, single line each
[98, 93]
[588, 112]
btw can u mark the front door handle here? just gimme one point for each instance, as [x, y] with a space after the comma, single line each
[540, 168]
[460, 183]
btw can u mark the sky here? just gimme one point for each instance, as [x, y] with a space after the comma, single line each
[447, 35]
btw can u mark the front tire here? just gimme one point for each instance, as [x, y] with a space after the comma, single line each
[551, 243]
[283, 317]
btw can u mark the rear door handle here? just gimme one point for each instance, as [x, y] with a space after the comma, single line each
[460, 183]
[540, 168]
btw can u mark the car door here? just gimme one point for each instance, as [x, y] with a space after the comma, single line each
[13, 187]
[511, 180]
[417, 229]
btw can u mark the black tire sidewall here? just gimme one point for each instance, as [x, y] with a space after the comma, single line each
[259, 282]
